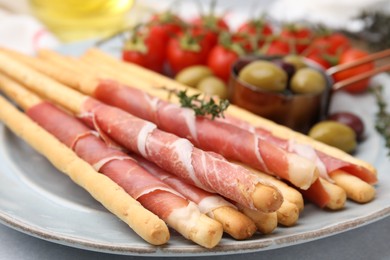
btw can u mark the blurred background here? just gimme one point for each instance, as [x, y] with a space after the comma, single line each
[72, 20]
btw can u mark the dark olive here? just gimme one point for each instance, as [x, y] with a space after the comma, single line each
[351, 120]
[334, 134]
[288, 68]
[308, 81]
[264, 75]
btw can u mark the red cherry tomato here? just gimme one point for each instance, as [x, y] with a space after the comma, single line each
[297, 36]
[320, 59]
[276, 47]
[210, 26]
[251, 34]
[186, 50]
[165, 25]
[220, 61]
[338, 43]
[349, 56]
[144, 50]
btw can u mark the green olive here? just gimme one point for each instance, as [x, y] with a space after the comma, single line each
[213, 86]
[264, 75]
[295, 60]
[308, 80]
[335, 134]
[191, 76]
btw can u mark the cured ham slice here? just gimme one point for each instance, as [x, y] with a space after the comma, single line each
[234, 222]
[154, 194]
[171, 153]
[206, 170]
[232, 142]
[182, 121]
[326, 163]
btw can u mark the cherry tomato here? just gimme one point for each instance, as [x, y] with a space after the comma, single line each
[338, 43]
[350, 55]
[332, 44]
[276, 47]
[186, 50]
[220, 61]
[297, 36]
[255, 27]
[251, 34]
[165, 25]
[320, 59]
[144, 50]
[210, 26]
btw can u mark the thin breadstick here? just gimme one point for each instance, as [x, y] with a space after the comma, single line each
[288, 214]
[293, 203]
[105, 68]
[337, 198]
[265, 222]
[356, 189]
[337, 195]
[147, 225]
[156, 80]
[110, 64]
[194, 225]
[69, 98]
[264, 197]
[23, 98]
[289, 193]
[55, 59]
[234, 222]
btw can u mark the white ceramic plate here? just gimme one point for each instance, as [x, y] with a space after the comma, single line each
[38, 200]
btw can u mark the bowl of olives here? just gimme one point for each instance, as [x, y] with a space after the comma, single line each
[289, 90]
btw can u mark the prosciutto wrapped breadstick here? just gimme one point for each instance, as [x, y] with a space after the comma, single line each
[148, 109]
[238, 225]
[252, 149]
[204, 169]
[153, 194]
[146, 224]
[328, 158]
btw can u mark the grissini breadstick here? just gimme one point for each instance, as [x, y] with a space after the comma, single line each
[350, 182]
[147, 225]
[156, 80]
[258, 194]
[330, 201]
[236, 224]
[252, 150]
[265, 222]
[181, 215]
[293, 203]
[361, 192]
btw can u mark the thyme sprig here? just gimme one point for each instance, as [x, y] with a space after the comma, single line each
[382, 123]
[203, 106]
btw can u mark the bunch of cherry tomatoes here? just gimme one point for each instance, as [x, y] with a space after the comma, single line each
[167, 44]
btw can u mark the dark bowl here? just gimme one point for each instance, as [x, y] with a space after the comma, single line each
[297, 111]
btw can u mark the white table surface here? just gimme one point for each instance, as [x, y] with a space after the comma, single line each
[367, 242]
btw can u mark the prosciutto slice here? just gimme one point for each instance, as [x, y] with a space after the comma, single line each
[205, 170]
[207, 202]
[234, 143]
[255, 147]
[326, 163]
[150, 191]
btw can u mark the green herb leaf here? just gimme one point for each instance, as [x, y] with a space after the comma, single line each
[203, 107]
[382, 123]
